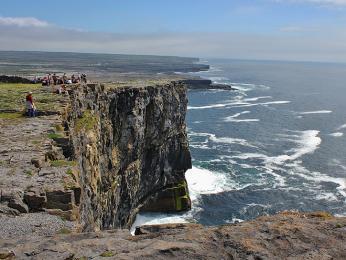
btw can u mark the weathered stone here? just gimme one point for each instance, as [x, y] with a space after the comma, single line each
[70, 215]
[60, 199]
[4, 209]
[18, 204]
[37, 163]
[54, 154]
[35, 199]
[7, 255]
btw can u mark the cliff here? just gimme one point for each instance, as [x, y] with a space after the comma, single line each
[204, 84]
[109, 152]
[132, 150]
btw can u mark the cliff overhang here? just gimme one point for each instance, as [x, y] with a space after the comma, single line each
[132, 150]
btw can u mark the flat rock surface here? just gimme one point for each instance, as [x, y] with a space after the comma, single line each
[34, 225]
[22, 141]
[287, 235]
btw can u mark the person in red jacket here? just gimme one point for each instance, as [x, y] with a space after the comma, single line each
[30, 105]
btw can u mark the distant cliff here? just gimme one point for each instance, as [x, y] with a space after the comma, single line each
[132, 149]
[205, 84]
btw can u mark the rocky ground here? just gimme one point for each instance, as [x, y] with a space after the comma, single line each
[285, 236]
[35, 174]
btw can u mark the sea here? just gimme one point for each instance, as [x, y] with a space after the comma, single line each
[276, 142]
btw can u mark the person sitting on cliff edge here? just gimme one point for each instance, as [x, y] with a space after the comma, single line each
[30, 105]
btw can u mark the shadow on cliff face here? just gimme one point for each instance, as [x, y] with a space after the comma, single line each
[132, 149]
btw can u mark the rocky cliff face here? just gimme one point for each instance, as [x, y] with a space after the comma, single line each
[132, 149]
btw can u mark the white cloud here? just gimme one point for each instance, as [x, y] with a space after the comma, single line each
[327, 2]
[311, 45]
[22, 22]
[320, 2]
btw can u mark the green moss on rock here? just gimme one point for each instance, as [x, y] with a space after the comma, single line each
[87, 122]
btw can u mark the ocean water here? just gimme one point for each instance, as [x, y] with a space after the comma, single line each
[277, 142]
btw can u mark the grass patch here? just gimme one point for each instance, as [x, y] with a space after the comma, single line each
[64, 231]
[28, 173]
[11, 115]
[35, 142]
[107, 254]
[69, 172]
[87, 122]
[59, 128]
[55, 135]
[12, 96]
[61, 163]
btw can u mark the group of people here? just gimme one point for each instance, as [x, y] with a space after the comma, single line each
[60, 80]
[52, 80]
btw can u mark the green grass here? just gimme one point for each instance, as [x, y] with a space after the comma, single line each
[55, 135]
[64, 231]
[87, 122]
[12, 96]
[62, 163]
[59, 128]
[107, 254]
[69, 172]
[28, 173]
[11, 115]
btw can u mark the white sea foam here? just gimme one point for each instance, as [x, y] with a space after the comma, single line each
[316, 112]
[234, 220]
[234, 118]
[239, 103]
[241, 120]
[341, 127]
[307, 143]
[256, 98]
[218, 79]
[206, 107]
[327, 196]
[245, 87]
[222, 140]
[337, 134]
[238, 114]
[275, 102]
[203, 181]
[230, 140]
[200, 181]
[279, 102]
[155, 219]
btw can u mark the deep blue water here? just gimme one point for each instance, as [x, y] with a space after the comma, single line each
[276, 143]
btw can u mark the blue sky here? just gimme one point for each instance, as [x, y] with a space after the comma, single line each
[212, 24]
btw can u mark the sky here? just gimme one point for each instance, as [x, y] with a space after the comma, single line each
[309, 30]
